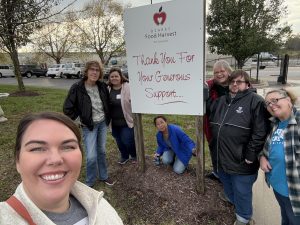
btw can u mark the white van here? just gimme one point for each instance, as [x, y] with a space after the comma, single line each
[6, 71]
[56, 70]
[73, 70]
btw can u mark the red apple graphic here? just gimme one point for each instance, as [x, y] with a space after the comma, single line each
[160, 17]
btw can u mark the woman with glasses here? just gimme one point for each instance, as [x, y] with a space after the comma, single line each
[239, 127]
[218, 86]
[88, 101]
[280, 158]
[174, 145]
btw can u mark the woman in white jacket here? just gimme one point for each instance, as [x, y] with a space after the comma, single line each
[121, 115]
[48, 157]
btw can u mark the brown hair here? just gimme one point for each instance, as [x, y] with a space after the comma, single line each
[118, 70]
[88, 65]
[240, 73]
[27, 120]
[284, 93]
[159, 117]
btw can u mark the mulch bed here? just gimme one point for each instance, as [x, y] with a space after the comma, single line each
[159, 196]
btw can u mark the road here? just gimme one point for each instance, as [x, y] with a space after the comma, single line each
[42, 82]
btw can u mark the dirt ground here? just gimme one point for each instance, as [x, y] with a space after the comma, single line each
[159, 196]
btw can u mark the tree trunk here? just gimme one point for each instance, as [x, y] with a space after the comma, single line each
[14, 57]
[240, 63]
[57, 61]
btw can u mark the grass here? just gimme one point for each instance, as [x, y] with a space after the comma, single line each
[52, 100]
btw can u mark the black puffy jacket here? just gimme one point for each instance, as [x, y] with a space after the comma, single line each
[239, 127]
[78, 103]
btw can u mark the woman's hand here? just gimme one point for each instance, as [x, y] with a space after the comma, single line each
[156, 155]
[264, 164]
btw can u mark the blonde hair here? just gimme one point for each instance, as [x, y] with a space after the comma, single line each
[284, 93]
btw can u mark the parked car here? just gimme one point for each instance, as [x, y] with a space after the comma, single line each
[56, 70]
[264, 56]
[30, 70]
[123, 68]
[6, 71]
[73, 70]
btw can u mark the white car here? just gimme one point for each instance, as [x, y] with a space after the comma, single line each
[6, 71]
[56, 70]
[73, 70]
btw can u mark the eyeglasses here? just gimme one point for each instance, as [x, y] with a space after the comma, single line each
[273, 101]
[238, 82]
[94, 69]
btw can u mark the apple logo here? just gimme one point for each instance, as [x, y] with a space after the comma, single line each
[160, 17]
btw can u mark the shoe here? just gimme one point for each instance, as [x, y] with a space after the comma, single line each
[133, 160]
[123, 161]
[3, 119]
[251, 222]
[223, 197]
[213, 176]
[109, 182]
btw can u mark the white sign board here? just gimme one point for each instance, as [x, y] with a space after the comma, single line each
[165, 56]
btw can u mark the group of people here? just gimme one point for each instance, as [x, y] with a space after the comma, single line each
[244, 132]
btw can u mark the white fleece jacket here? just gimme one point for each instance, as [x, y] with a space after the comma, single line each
[100, 212]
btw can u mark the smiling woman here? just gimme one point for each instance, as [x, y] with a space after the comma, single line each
[49, 165]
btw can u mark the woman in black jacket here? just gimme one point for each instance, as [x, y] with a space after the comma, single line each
[87, 101]
[238, 121]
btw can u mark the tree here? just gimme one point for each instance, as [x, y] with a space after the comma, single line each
[101, 28]
[242, 28]
[18, 20]
[293, 43]
[56, 39]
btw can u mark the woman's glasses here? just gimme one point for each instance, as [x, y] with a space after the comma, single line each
[273, 101]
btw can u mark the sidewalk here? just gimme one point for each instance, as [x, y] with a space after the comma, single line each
[266, 210]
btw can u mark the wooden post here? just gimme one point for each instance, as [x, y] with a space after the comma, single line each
[200, 167]
[139, 141]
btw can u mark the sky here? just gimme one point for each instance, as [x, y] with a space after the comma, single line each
[293, 17]
[293, 6]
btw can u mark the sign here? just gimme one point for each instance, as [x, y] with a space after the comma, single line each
[165, 56]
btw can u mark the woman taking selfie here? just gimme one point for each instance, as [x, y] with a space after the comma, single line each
[48, 157]
[280, 159]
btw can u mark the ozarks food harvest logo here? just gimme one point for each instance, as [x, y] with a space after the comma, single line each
[159, 17]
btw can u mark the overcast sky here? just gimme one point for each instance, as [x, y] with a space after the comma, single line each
[292, 19]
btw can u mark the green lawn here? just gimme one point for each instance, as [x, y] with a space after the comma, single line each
[52, 100]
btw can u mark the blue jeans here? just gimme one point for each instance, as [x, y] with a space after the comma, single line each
[238, 189]
[95, 152]
[287, 215]
[168, 158]
[124, 137]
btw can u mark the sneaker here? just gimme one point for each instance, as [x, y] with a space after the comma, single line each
[223, 197]
[251, 222]
[3, 119]
[213, 176]
[109, 182]
[123, 161]
[133, 160]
